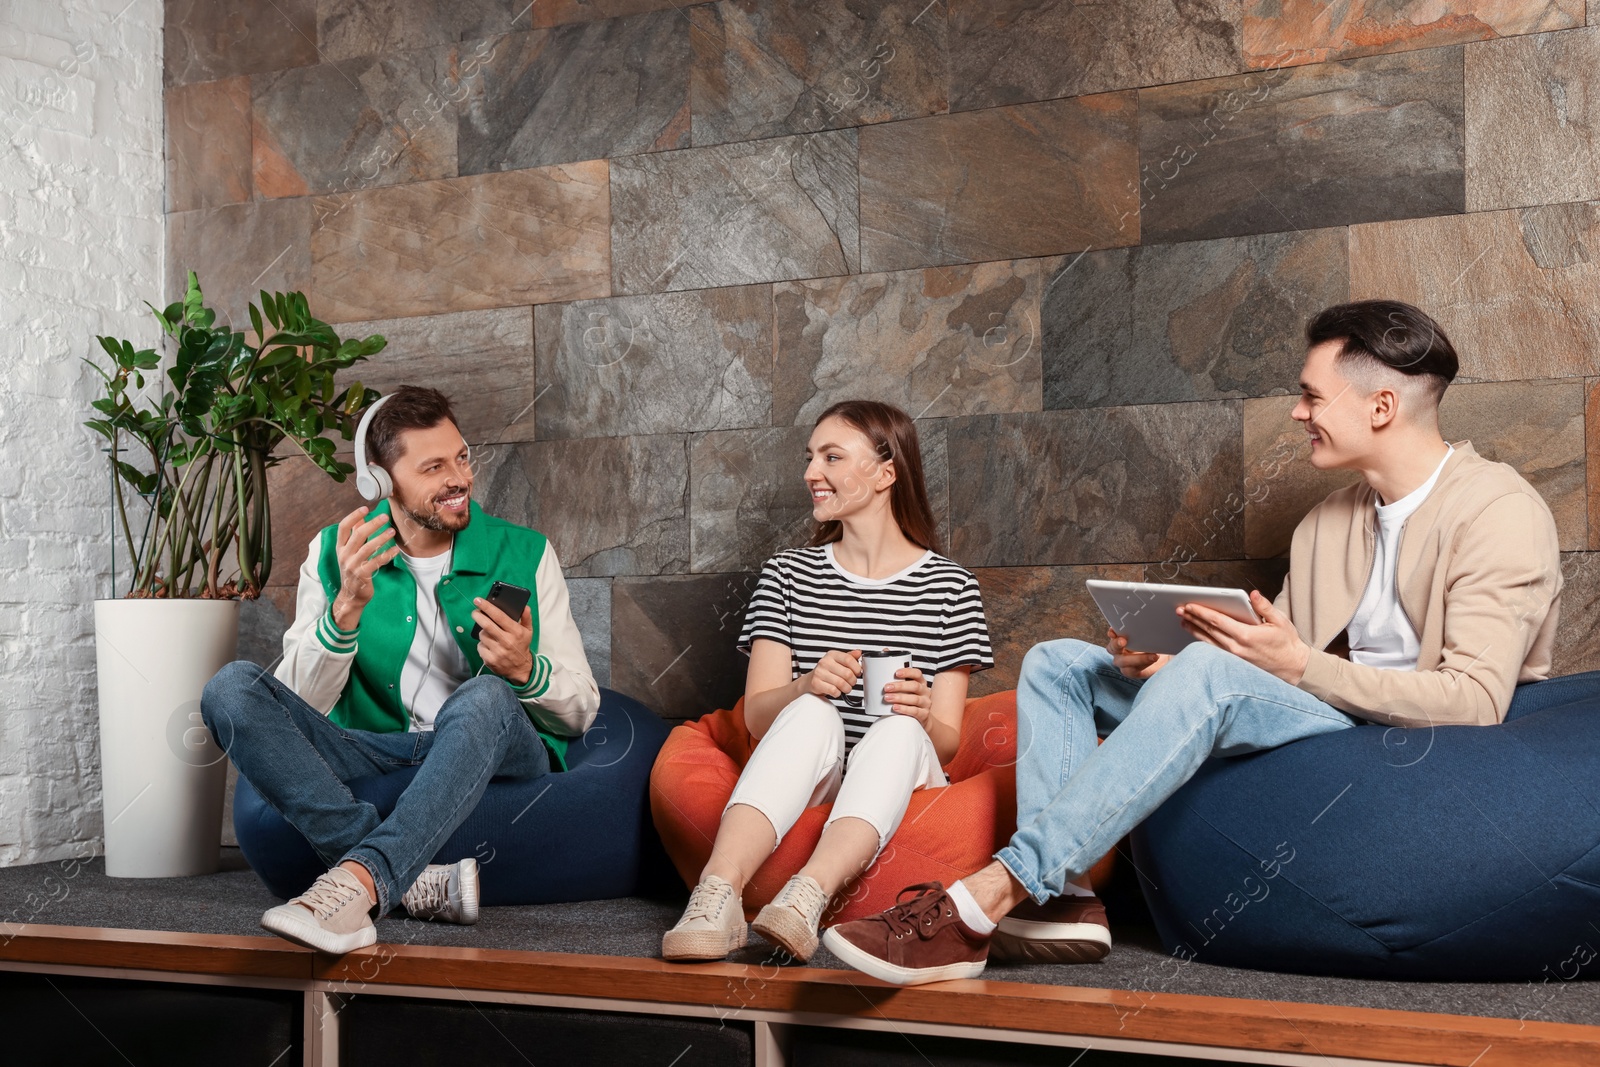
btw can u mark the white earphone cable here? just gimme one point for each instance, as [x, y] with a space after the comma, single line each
[433, 633]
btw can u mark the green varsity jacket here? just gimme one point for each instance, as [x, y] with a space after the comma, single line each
[353, 676]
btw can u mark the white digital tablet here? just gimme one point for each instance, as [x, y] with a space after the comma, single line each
[1146, 613]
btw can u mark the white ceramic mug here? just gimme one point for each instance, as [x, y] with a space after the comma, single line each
[877, 671]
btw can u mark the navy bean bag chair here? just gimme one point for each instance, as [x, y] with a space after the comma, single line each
[580, 834]
[1453, 853]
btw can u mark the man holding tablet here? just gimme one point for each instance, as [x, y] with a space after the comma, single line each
[1420, 596]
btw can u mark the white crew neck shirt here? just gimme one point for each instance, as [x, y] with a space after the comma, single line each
[1380, 634]
[424, 687]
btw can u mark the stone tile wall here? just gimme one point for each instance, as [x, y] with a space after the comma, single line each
[645, 242]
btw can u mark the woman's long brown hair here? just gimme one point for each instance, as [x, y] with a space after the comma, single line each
[894, 437]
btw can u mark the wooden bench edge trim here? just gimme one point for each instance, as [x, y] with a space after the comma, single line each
[155, 950]
[1181, 1018]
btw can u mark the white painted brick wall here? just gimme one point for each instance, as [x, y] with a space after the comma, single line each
[80, 250]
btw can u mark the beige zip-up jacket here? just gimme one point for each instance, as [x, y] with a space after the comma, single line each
[1479, 578]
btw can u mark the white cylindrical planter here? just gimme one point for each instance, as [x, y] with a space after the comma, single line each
[162, 776]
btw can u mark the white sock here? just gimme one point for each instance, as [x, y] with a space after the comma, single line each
[1073, 889]
[967, 908]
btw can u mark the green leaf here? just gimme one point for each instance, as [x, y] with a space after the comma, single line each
[219, 345]
[255, 320]
[277, 357]
[193, 301]
[143, 483]
[321, 334]
[166, 317]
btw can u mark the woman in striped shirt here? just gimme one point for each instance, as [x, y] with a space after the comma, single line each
[870, 579]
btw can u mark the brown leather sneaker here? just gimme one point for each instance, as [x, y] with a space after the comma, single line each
[918, 940]
[1068, 929]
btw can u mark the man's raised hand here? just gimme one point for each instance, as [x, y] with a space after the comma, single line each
[361, 549]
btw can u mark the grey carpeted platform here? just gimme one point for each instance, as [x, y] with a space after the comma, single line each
[231, 902]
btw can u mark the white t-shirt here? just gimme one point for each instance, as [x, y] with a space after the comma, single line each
[1380, 634]
[423, 690]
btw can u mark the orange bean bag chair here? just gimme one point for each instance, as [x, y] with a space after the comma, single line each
[946, 832]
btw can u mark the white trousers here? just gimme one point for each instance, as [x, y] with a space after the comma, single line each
[800, 762]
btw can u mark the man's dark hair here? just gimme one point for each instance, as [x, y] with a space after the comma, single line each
[1387, 333]
[410, 407]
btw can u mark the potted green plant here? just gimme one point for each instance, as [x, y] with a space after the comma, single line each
[189, 463]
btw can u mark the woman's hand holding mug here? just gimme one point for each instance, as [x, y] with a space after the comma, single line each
[911, 695]
[834, 676]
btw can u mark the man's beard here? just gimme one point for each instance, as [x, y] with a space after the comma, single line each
[433, 519]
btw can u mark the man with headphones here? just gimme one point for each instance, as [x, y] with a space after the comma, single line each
[398, 658]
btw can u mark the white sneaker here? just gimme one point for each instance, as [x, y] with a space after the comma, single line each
[712, 925]
[334, 916]
[791, 920]
[446, 892]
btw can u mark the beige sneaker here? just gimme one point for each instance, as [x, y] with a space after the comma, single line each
[446, 892]
[337, 919]
[791, 920]
[711, 927]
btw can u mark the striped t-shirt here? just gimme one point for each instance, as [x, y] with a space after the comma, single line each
[807, 602]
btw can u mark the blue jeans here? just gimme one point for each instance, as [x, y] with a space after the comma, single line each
[299, 761]
[1076, 800]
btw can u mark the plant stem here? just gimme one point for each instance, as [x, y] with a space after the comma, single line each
[260, 537]
[214, 556]
[150, 548]
[193, 520]
[122, 509]
[241, 529]
[181, 521]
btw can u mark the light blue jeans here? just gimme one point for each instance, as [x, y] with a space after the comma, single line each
[1076, 800]
[299, 761]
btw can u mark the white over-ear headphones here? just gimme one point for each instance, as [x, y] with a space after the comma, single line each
[371, 479]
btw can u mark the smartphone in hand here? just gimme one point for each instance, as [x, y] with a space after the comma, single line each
[509, 598]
